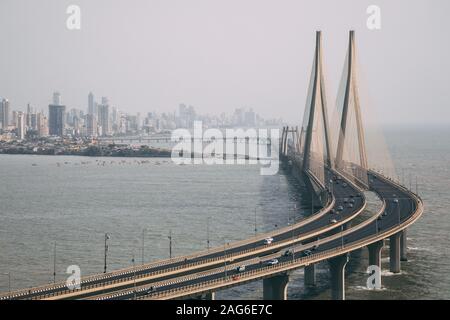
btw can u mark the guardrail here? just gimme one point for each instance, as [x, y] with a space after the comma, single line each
[130, 272]
[296, 263]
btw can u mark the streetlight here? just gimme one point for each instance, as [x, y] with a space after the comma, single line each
[106, 250]
[54, 263]
[225, 257]
[143, 244]
[417, 187]
[170, 244]
[256, 229]
[207, 232]
[134, 276]
[9, 280]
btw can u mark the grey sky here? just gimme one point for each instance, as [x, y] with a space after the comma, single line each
[218, 55]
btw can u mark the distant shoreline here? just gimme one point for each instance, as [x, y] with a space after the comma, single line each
[92, 151]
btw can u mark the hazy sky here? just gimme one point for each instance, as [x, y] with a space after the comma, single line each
[221, 54]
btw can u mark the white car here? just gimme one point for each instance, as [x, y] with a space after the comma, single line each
[333, 221]
[396, 200]
[272, 262]
[268, 240]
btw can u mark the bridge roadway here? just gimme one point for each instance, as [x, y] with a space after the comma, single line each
[303, 231]
[401, 209]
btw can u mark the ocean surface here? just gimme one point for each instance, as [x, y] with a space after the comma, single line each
[74, 201]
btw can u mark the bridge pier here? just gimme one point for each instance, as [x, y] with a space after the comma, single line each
[205, 296]
[310, 275]
[394, 252]
[403, 246]
[337, 270]
[275, 288]
[375, 253]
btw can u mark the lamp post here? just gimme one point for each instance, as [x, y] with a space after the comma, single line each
[134, 276]
[170, 244]
[256, 229]
[54, 263]
[417, 187]
[225, 257]
[106, 250]
[143, 244]
[207, 233]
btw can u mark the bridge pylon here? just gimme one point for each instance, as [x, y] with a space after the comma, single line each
[349, 105]
[315, 142]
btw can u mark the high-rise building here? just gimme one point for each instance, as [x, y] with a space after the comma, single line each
[56, 119]
[42, 125]
[56, 98]
[21, 126]
[91, 126]
[4, 113]
[33, 121]
[28, 116]
[103, 117]
[92, 106]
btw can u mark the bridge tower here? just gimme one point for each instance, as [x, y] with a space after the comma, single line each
[316, 114]
[351, 107]
[315, 130]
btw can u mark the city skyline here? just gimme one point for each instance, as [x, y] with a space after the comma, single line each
[99, 119]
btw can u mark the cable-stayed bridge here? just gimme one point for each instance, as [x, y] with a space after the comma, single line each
[331, 158]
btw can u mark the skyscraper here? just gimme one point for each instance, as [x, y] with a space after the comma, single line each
[57, 119]
[91, 104]
[56, 98]
[21, 126]
[4, 113]
[42, 125]
[91, 125]
[28, 117]
[103, 117]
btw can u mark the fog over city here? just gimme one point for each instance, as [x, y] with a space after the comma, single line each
[221, 55]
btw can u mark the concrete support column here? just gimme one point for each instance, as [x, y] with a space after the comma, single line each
[403, 246]
[310, 275]
[394, 252]
[275, 288]
[210, 296]
[205, 296]
[337, 270]
[375, 253]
